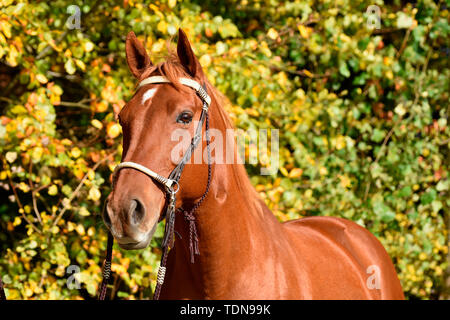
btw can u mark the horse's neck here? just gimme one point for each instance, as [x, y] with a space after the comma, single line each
[232, 224]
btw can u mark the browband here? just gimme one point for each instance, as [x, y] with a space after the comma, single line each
[185, 81]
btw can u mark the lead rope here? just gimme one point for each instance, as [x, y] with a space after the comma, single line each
[106, 267]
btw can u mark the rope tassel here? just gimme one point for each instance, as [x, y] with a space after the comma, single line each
[193, 237]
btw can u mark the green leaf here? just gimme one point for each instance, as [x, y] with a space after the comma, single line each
[343, 70]
[70, 66]
[383, 211]
[428, 197]
[377, 135]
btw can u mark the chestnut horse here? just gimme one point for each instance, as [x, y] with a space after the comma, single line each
[245, 252]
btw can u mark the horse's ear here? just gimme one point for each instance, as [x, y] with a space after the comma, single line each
[137, 58]
[187, 56]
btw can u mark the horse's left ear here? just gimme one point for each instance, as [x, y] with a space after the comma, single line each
[137, 58]
[187, 56]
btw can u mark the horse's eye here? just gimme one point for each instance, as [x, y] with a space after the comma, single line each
[185, 117]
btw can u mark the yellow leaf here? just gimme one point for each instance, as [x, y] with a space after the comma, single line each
[24, 187]
[304, 31]
[295, 173]
[11, 156]
[37, 153]
[84, 212]
[307, 73]
[282, 79]
[17, 221]
[88, 46]
[41, 78]
[70, 226]
[205, 60]
[162, 26]
[284, 171]
[80, 229]
[80, 64]
[340, 143]
[97, 124]
[91, 174]
[113, 130]
[389, 74]
[53, 190]
[12, 57]
[91, 231]
[102, 106]
[6, 28]
[172, 3]
[345, 181]
[66, 142]
[75, 152]
[55, 229]
[57, 90]
[272, 34]
[94, 194]
[78, 173]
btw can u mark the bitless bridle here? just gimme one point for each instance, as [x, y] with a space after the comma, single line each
[171, 188]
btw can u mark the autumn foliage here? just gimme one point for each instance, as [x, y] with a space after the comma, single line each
[362, 115]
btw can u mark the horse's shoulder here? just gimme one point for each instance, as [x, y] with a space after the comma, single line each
[322, 241]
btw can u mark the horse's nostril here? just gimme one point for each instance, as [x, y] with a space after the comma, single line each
[137, 212]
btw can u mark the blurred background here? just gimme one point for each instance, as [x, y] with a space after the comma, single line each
[360, 96]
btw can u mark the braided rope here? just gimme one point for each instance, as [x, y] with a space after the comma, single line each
[162, 265]
[161, 274]
[106, 268]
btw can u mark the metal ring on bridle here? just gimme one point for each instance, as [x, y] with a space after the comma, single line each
[172, 189]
